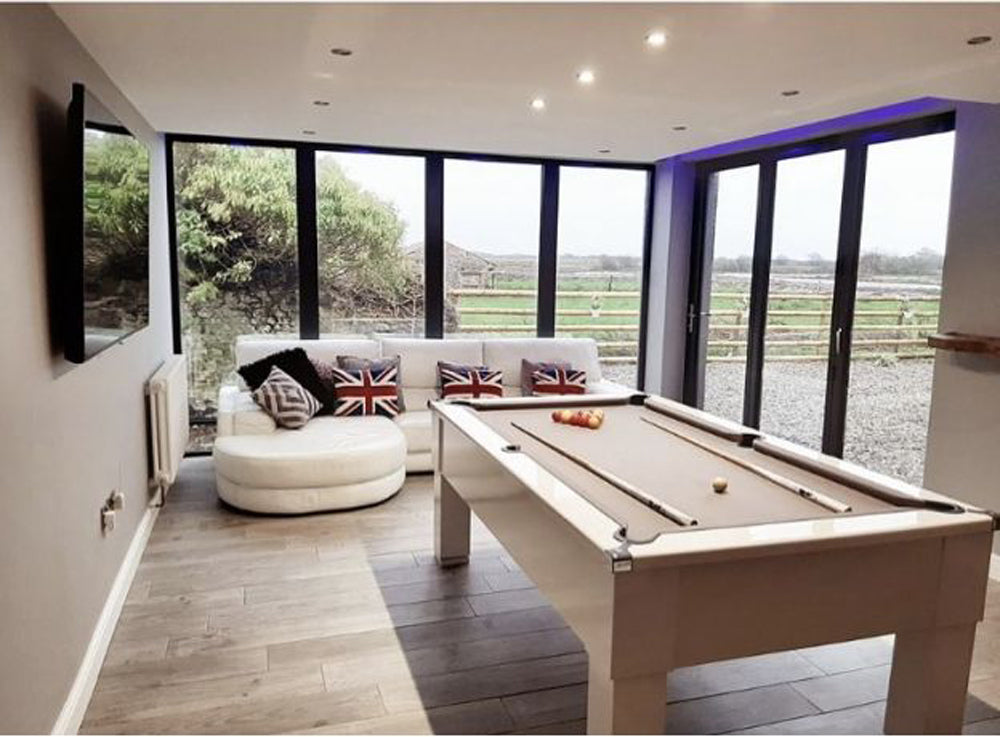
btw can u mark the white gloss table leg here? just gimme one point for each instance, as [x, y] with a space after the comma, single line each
[451, 524]
[930, 674]
[634, 705]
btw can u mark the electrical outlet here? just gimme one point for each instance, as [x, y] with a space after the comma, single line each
[117, 500]
[107, 520]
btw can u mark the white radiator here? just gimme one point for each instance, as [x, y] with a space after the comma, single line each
[168, 420]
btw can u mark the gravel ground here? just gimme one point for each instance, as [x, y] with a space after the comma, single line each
[622, 373]
[887, 413]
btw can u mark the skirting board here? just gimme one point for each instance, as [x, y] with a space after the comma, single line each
[75, 707]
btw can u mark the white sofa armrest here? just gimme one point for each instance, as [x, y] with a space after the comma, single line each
[239, 415]
[608, 387]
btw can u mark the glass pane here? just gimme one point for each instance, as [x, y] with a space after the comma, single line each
[800, 295]
[491, 222]
[899, 287]
[729, 236]
[599, 283]
[238, 259]
[370, 231]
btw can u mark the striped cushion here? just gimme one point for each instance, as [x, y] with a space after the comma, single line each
[286, 400]
[558, 381]
[366, 392]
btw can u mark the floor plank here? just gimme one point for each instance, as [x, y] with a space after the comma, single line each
[343, 623]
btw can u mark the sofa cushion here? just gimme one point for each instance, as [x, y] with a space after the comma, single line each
[505, 354]
[416, 427]
[329, 451]
[366, 393]
[469, 382]
[528, 369]
[354, 363]
[558, 381]
[253, 347]
[287, 402]
[295, 363]
[419, 356]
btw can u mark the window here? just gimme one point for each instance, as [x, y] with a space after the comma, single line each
[896, 304]
[370, 233]
[602, 218]
[238, 210]
[800, 296]
[731, 215]
[848, 246]
[491, 230]
[237, 254]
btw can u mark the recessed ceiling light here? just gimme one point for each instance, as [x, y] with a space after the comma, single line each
[656, 39]
[308, 133]
[585, 76]
[789, 93]
[340, 51]
[538, 104]
[321, 103]
[680, 128]
[977, 40]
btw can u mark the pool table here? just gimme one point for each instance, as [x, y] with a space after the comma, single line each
[669, 537]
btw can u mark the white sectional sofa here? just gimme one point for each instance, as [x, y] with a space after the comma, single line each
[340, 462]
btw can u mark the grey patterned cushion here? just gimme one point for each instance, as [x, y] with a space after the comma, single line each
[286, 400]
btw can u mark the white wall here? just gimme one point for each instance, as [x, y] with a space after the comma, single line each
[963, 443]
[68, 434]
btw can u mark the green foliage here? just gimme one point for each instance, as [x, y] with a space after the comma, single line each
[116, 206]
[236, 219]
[236, 230]
[361, 258]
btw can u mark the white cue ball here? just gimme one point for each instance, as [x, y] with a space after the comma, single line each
[720, 484]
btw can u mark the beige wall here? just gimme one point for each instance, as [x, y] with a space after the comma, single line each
[68, 434]
[963, 444]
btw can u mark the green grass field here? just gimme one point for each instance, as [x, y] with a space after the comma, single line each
[798, 325]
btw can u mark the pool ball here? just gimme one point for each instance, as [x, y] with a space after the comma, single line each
[720, 484]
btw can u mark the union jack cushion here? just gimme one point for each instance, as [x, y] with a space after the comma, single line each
[366, 392]
[470, 383]
[558, 381]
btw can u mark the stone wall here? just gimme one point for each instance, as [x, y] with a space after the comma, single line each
[210, 331]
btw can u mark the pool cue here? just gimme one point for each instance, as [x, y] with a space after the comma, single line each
[671, 513]
[834, 505]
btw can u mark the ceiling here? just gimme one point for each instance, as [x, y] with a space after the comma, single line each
[461, 76]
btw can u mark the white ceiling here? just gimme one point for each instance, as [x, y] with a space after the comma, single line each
[461, 76]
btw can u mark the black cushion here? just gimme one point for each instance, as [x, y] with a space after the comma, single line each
[294, 362]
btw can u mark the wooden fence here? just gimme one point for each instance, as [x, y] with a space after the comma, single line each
[883, 325]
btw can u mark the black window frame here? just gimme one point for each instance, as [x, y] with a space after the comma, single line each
[305, 162]
[855, 144]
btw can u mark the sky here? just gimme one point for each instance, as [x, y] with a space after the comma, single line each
[907, 190]
[494, 207]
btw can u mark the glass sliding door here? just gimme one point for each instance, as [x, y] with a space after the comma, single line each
[800, 296]
[729, 241]
[370, 233]
[903, 234]
[602, 214]
[491, 231]
[237, 252]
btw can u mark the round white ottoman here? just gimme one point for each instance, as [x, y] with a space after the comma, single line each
[331, 463]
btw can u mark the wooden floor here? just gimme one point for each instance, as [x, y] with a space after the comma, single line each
[342, 623]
